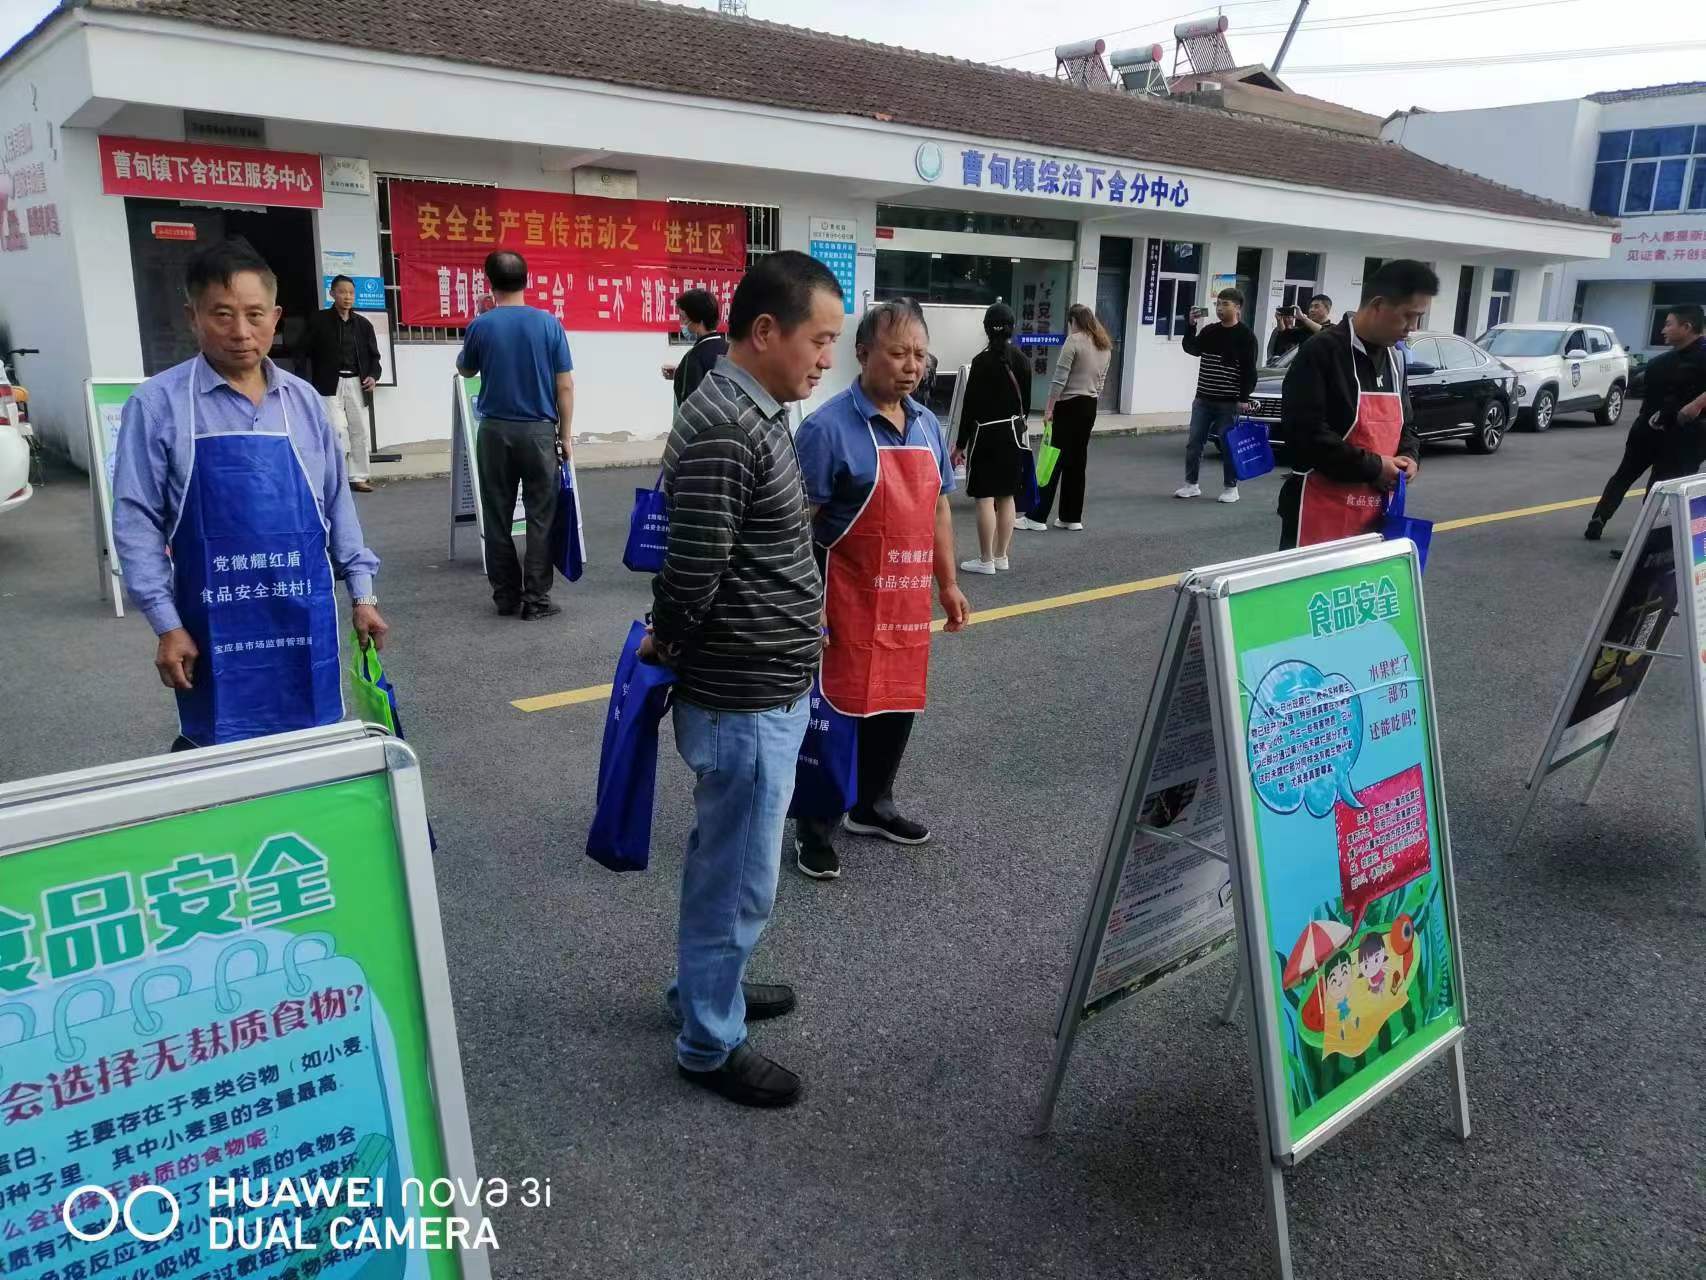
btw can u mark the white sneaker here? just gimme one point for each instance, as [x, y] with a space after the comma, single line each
[1188, 491]
[1001, 563]
[1229, 495]
[978, 566]
[1068, 524]
[1025, 522]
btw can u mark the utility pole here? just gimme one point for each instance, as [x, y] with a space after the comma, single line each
[1291, 31]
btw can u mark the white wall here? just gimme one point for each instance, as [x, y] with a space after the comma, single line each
[619, 387]
[43, 297]
[1537, 147]
[1623, 306]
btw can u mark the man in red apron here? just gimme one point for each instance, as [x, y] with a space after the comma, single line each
[877, 475]
[1346, 415]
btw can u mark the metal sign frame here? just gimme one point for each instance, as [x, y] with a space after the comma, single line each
[107, 570]
[1666, 500]
[1691, 601]
[68, 806]
[1204, 600]
[464, 463]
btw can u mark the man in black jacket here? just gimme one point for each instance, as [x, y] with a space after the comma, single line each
[699, 315]
[339, 354]
[1345, 412]
[1667, 433]
[1226, 375]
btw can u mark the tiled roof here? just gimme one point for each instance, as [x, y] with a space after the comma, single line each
[672, 48]
[1651, 91]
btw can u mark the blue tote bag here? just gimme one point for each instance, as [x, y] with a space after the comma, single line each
[648, 530]
[1251, 451]
[621, 835]
[826, 775]
[1395, 524]
[568, 543]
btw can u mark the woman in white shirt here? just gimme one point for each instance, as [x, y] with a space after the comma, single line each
[1072, 396]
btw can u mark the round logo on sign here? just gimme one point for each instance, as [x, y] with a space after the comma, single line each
[928, 161]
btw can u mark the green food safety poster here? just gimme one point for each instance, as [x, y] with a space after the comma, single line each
[1350, 882]
[231, 992]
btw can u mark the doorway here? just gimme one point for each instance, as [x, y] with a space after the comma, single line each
[165, 235]
[1113, 296]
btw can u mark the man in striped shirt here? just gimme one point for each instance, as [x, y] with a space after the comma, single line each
[1226, 375]
[736, 611]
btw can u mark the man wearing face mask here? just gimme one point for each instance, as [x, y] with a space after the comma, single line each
[698, 314]
[232, 515]
[1345, 412]
[878, 475]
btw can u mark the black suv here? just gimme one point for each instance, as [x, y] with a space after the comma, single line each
[1457, 390]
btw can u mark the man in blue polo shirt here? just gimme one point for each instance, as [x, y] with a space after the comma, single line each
[527, 409]
[877, 475]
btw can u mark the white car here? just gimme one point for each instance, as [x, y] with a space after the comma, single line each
[14, 452]
[1565, 368]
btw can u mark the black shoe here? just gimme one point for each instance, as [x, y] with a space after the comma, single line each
[891, 827]
[766, 1000]
[507, 608]
[533, 612]
[815, 857]
[1596, 526]
[750, 1079]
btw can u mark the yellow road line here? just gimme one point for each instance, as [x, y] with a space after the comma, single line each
[600, 692]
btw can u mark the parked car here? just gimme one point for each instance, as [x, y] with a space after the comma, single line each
[1458, 392]
[14, 448]
[1565, 368]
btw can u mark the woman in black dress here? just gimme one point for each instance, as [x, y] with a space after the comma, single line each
[992, 436]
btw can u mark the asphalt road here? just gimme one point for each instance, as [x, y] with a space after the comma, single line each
[929, 979]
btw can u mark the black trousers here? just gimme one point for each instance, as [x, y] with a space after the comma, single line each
[1290, 511]
[882, 743]
[1074, 419]
[511, 454]
[1670, 453]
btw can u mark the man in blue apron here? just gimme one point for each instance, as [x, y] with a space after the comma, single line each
[232, 515]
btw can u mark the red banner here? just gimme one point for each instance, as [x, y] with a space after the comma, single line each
[451, 294]
[206, 171]
[593, 263]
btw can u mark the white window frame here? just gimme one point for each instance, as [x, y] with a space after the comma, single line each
[1695, 162]
[1295, 291]
[1168, 282]
[1499, 301]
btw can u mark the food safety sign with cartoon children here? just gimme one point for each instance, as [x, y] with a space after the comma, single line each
[1350, 871]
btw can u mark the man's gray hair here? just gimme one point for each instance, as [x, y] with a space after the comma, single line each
[885, 315]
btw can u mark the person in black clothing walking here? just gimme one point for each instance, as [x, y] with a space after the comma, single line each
[339, 353]
[1225, 378]
[1667, 435]
[699, 315]
[992, 438]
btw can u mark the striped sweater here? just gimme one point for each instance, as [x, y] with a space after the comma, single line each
[737, 607]
[1228, 354]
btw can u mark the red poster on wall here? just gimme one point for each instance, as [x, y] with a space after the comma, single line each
[594, 263]
[450, 293]
[206, 171]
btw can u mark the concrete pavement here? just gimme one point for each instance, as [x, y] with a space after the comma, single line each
[929, 978]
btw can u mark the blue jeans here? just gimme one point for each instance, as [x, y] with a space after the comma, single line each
[744, 762]
[1210, 418]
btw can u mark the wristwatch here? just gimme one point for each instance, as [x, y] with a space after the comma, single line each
[372, 601]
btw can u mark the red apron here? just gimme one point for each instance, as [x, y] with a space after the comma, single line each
[877, 581]
[1329, 510]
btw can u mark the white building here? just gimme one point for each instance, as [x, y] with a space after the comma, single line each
[951, 181]
[1638, 155]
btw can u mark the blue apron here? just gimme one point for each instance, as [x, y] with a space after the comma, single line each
[254, 589]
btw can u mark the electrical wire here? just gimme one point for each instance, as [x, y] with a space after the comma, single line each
[1159, 22]
[1466, 8]
[1392, 17]
[1493, 60]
